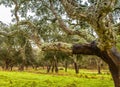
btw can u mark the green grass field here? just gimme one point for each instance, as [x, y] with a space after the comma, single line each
[35, 79]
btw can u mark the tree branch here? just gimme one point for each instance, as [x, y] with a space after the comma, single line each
[110, 56]
[8, 34]
[97, 18]
[12, 33]
[35, 36]
[117, 28]
[58, 46]
[26, 22]
[64, 27]
[17, 6]
[74, 10]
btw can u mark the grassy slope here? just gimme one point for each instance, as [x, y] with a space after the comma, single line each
[25, 79]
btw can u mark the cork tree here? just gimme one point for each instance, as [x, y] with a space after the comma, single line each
[100, 15]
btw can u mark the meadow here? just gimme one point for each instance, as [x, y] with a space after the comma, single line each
[39, 78]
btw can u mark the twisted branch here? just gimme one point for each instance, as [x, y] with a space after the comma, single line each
[17, 6]
[74, 10]
[63, 25]
[35, 36]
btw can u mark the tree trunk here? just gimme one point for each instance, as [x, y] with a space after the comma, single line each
[26, 67]
[3, 67]
[75, 64]
[48, 68]
[99, 69]
[22, 52]
[11, 67]
[33, 66]
[76, 67]
[98, 65]
[6, 65]
[110, 56]
[56, 64]
[53, 66]
[36, 67]
[66, 65]
[114, 65]
[21, 67]
[115, 75]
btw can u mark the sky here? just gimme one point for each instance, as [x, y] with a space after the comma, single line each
[5, 14]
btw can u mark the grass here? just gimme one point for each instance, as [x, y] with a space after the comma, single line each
[34, 79]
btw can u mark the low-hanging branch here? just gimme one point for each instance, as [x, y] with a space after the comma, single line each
[57, 46]
[85, 49]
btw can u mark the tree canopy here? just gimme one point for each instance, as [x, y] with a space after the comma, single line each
[88, 27]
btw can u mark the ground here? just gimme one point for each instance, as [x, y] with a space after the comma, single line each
[86, 78]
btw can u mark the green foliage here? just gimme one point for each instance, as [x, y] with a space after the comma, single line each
[118, 40]
[48, 29]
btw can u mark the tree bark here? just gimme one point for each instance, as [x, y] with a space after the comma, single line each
[99, 69]
[98, 66]
[48, 68]
[96, 16]
[66, 65]
[21, 67]
[53, 66]
[111, 57]
[76, 68]
[6, 65]
[75, 64]
[11, 67]
[56, 65]
[115, 75]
